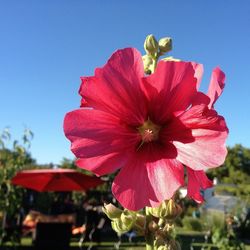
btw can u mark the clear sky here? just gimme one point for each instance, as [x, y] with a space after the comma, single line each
[46, 45]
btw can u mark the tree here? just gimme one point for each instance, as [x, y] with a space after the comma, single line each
[236, 169]
[12, 159]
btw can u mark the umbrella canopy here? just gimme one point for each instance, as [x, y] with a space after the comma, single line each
[59, 179]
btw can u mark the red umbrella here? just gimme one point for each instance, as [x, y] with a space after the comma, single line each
[55, 180]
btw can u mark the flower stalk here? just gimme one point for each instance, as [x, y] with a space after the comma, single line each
[149, 236]
[154, 50]
[156, 224]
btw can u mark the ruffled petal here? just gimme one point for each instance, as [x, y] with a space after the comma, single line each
[83, 103]
[171, 88]
[216, 86]
[115, 88]
[206, 148]
[200, 98]
[198, 69]
[197, 180]
[95, 133]
[143, 183]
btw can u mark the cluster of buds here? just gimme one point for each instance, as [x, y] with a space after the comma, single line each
[123, 221]
[162, 225]
[154, 49]
[158, 222]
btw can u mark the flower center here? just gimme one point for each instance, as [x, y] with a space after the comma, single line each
[149, 131]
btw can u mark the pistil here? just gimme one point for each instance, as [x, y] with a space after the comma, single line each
[149, 132]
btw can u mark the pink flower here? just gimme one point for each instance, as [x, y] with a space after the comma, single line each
[149, 127]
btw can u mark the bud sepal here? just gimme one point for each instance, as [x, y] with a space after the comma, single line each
[112, 211]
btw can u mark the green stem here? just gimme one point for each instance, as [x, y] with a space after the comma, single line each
[149, 237]
[155, 61]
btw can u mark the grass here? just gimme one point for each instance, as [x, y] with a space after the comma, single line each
[26, 243]
[199, 246]
[185, 237]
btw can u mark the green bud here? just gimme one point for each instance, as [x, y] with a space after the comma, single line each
[172, 210]
[139, 224]
[128, 218]
[167, 210]
[151, 45]
[165, 44]
[119, 227]
[112, 211]
[125, 222]
[160, 211]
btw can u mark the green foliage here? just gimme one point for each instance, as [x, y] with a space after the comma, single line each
[222, 230]
[68, 163]
[191, 223]
[236, 169]
[12, 159]
[226, 190]
[214, 220]
[242, 190]
[226, 240]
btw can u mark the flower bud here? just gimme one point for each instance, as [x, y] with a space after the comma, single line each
[112, 211]
[172, 210]
[165, 44]
[160, 211]
[167, 210]
[125, 222]
[128, 217]
[119, 227]
[139, 224]
[151, 45]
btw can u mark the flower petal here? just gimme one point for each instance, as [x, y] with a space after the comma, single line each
[209, 132]
[197, 180]
[83, 103]
[115, 88]
[104, 164]
[96, 133]
[216, 86]
[171, 88]
[142, 182]
[198, 69]
[200, 98]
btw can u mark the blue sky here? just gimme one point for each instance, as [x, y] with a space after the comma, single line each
[45, 46]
